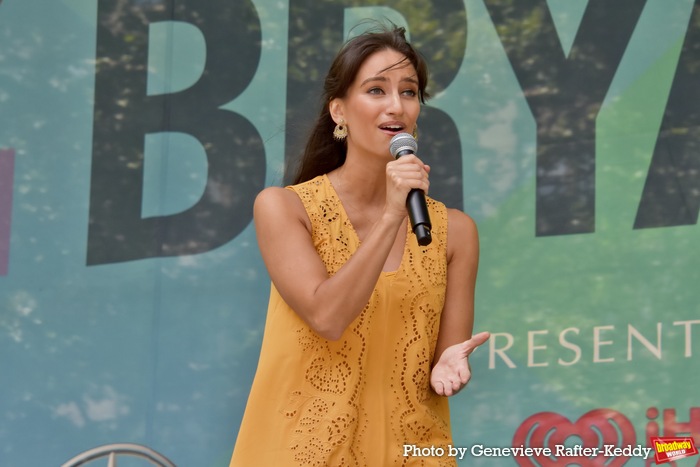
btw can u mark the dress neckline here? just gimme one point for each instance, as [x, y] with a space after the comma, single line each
[404, 253]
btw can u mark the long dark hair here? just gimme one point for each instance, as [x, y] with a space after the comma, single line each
[323, 153]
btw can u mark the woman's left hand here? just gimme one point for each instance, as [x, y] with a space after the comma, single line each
[451, 373]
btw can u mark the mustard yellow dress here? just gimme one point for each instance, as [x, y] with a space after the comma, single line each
[358, 400]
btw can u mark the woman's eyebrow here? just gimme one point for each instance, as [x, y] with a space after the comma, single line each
[374, 78]
[409, 79]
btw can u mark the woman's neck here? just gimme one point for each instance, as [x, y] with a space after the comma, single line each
[361, 182]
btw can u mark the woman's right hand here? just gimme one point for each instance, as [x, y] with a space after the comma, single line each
[403, 175]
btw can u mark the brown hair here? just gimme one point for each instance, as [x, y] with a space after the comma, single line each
[323, 153]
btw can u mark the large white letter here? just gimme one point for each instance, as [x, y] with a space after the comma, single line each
[502, 351]
[633, 332]
[597, 343]
[570, 346]
[688, 335]
[531, 347]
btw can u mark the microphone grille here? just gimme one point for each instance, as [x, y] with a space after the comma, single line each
[402, 141]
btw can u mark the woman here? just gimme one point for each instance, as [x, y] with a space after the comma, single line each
[366, 332]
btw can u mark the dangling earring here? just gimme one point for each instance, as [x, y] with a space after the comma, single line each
[415, 132]
[341, 131]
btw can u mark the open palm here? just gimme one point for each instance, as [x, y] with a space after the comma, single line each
[452, 372]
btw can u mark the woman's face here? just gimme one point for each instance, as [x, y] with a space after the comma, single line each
[381, 102]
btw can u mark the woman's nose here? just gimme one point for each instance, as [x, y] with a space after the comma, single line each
[395, 106]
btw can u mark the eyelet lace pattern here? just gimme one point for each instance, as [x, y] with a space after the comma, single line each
[358, 400]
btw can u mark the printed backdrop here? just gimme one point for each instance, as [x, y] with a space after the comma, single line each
[135, 135]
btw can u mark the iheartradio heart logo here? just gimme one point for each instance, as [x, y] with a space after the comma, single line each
[544, 437]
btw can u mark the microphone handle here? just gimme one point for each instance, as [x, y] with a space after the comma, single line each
[418, 214]
[418, 211]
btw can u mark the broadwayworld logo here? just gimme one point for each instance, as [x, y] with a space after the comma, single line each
[607, 438]
[669, 449]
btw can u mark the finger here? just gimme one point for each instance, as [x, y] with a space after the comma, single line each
[476, 341]
[447, 389]
[412, 171]
[412, 163]
[464, 375]
[410, 158]
[412, 180]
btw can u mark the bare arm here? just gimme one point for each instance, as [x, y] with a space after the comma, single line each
[455, 343]
[329, 304]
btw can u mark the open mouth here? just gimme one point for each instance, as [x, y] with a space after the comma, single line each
[392, 128]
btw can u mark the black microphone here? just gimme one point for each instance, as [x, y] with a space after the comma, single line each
[401, 145]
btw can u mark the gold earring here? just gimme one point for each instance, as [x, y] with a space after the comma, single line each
[341, 131]
[415, 132]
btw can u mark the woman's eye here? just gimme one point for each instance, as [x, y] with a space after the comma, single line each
[410, 93]
[375, 91]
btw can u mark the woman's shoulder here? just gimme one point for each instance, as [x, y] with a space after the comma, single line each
[278, 202]
[456, 219]
[461, 221]
[273, 195]
[462, 234]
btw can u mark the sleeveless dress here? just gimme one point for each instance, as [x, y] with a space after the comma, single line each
[358, 400]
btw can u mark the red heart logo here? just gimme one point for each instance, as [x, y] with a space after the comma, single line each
[546, 432]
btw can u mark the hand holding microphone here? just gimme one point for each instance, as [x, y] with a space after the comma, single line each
[401, 145]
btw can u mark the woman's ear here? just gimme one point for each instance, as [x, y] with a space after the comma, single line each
[335, 108]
